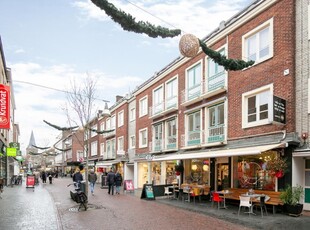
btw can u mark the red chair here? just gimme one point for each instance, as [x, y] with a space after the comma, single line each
[217, 198]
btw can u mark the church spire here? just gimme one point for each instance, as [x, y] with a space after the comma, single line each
[31, 141]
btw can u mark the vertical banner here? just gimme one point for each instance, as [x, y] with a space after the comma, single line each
[4, 107]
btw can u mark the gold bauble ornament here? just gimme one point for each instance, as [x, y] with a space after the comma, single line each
[189, 45]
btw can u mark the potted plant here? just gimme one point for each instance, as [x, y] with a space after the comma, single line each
[291, 197]
[277, 166]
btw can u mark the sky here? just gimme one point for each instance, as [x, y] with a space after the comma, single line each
[48, 45]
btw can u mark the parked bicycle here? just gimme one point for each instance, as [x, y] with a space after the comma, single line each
[78, 195]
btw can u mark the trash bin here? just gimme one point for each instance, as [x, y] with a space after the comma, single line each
[83, 186]
[104, 181]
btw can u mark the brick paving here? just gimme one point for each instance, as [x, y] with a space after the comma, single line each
[50, 207]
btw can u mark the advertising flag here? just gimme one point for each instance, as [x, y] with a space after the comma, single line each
[4, 107]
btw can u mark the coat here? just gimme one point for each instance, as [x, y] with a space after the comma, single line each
[111, 178]
[118, 179]
[77, 177]
[92, 177]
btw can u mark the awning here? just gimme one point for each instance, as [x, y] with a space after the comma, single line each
[304, 153]
[107, 163]
[254, 150]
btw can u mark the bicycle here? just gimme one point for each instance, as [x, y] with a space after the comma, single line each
[78, 195]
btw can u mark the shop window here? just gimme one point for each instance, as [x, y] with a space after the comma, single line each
[200, 171]
[251, 171]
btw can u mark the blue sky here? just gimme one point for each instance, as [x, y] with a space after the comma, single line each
[52, 43]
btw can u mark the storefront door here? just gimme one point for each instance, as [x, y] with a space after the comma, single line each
[222, 173]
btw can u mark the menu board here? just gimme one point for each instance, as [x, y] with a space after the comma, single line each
[128, 185]
[147, 192]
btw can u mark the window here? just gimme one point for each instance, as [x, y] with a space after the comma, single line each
[111, 154]
[108, 124]
[171, 134]
[120, 144]
[113, 122]
[80, 155]
[257, 106]
[120, 118]
[193, 78]
[171, 93]
[132, 114]
[102, 126]
[216, 123]
[93, 133]
[102, 150]
[158, 99]
[143, 107]
[132, 142]
[216, 73]
[258, 43]
[143, 138]
[194, 131]
[93, 148]
[158, 137]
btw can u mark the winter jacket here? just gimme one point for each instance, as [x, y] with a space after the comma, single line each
[77, 177]
[118, 179]
[111, 178]
[92, 177]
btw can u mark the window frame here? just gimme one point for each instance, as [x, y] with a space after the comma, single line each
[175, 92]
[140, 138]
[187, 75]
[120, 118]
[142, 110]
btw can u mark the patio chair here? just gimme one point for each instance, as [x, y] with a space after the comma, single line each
[245, 201]
[216, 198]
[167, 192]
[262, 205]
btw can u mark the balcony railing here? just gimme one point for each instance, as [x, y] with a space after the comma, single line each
[216, 133]
[172, 142]
[164, 107]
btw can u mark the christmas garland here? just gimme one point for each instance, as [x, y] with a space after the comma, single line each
[62, 150]
[128, 22]
[43, 148]
[229, 64]
[61, 128]
[101, 132]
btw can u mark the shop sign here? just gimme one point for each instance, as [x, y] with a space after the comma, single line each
[11, 152]
[129, 185]
[147, 192]
[279, 109]
[4, 107]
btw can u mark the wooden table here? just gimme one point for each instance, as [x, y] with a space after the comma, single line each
[224, 193]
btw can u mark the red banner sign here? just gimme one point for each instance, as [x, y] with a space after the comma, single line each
[4, 107]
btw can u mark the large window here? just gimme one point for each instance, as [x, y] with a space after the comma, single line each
[143, 107]
[158, 137]
[216, 74]
[257, 106]
[194, 131]
[171, 93]
[171, 131]
[132, 142]
[111, 154]
[102, 151]
[143, 138]
[94, 148]
[120, 145]
[120, 118]
[193, 77]
[216, 123]
[258, 43]
[132, 114]
[113, 121]
[158, 99]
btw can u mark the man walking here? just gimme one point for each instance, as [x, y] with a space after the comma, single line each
[92, 178]
[111, 181]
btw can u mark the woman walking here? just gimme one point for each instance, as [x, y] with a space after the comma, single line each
[118, 182]
[92, 178]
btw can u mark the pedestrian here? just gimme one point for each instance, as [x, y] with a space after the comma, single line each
[77, 176]
[111, 181]
[50, 177]
[118, 182]
[92, 178]
[43, 176]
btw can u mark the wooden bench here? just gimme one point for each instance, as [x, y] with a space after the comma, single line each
[274, 200]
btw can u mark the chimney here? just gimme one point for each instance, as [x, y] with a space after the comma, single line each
[118, 98]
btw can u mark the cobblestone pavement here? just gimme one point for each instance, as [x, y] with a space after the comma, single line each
[49, 207]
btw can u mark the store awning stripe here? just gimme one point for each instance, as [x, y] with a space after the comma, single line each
[254, 150]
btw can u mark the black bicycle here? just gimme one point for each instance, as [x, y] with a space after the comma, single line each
[78, 195]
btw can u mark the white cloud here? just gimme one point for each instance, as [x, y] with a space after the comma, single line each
[20, 51]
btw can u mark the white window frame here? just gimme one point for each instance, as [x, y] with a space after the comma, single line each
[255, 32]
[245, 96]
[94, 148]
[132, 141]
[195, 128]
[113, 121]
[158, 99]
[120, 143]
[141, 131]
[102, 149]
[174, 93]
[108, 124]
[132, 114]
[92, 133]
[143, 106]
[120, 120]
[187, 78]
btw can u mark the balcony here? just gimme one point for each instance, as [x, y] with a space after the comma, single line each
[215, 85]
[161, 109]
[216, 133]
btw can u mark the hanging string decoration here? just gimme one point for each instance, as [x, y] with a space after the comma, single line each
[61, 128]
[101, 132]
[188, 48]
[43, 148]
[128, 22]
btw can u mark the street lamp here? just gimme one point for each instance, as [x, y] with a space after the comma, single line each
[63, 157]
